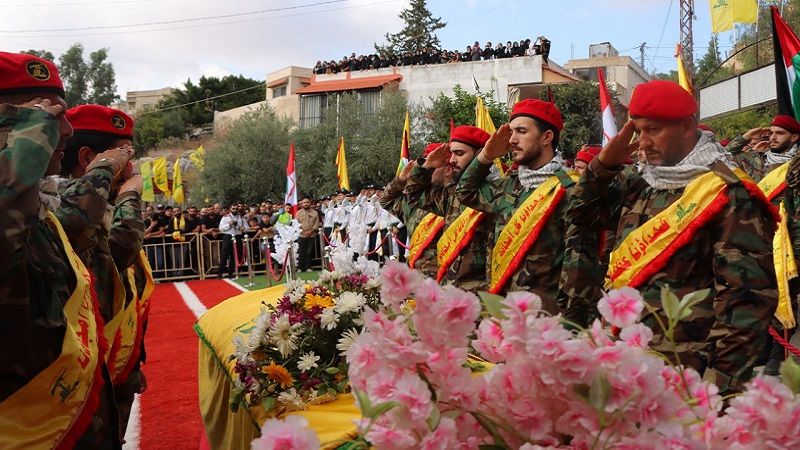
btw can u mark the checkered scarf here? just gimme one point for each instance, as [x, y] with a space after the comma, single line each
[697, 162]
[532, 179]
[774, 159]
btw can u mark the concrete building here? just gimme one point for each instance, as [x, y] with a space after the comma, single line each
[622, 72]
[136, 101]
[282, 88]
[297, 93]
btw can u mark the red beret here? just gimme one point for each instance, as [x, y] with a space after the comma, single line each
[662, 100]
[587, 154]
[430, 148]
[539, 109]
[101, 119]
[788, 123]
[472, 136]
[21, 74]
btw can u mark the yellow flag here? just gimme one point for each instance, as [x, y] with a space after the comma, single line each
[177, 183]
[146, 170]
[341, 167]
[198, 157]
[724, 13]
[404, 146]
[683, 78]
[484, 121]
[160, 178]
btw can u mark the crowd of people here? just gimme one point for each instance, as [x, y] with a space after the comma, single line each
[526, 47]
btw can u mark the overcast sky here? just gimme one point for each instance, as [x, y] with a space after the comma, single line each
[294, 33]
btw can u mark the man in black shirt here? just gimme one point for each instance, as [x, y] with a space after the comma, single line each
[488, 51]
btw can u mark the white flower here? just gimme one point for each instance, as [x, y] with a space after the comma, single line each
[308, 362]
[295, 290]
[349, 302]
[258, 334]
[328, 319]
[292, 400]
[326, 276]
[373, 283]
[347, 339]
[284, 335]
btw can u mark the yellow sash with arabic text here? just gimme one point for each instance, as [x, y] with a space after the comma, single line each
[455, 238]
[423, 235]
[54, 407]
[522, 230]
[648, 248]
[783, 256]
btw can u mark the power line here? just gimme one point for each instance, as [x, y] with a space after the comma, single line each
[258, 86]
[171, 22]
[661, 38]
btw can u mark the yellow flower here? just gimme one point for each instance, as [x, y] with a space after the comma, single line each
[312, 300]
[279, 374]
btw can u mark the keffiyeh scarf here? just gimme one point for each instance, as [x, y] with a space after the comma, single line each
[697, 162]
[533, 178]
[774, 159]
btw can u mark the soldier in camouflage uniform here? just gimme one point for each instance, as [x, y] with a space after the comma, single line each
[396, 202]
[469, 270]
[784, 135]
[97, 129]
[731, 254]
[35, 279]
[532, 137]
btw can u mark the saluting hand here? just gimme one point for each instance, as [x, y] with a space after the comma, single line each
[498, 144]
[405, 174]
[438, 158]
[619, 148]
[44, 104]
[132, 184]
[755, 133]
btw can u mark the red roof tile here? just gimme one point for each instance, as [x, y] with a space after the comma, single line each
[350, 84]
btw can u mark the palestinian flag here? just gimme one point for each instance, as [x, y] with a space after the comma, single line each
[787, 65]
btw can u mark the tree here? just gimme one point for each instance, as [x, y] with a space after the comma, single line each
[372, 143]
[152, 127]
[45, 54]
[197, 102]
[708, 68]
[87, 82]
[418, 34]
[580, 106]
[460, 107]
[248, 163]
[740, 121]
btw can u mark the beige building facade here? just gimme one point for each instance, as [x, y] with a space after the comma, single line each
[137, 101]
[622, 72]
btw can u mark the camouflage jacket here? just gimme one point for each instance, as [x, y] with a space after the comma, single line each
[753, 163]
[469, 270]
[731, 256]
[397, 203]
[35, 280]
[540, 272]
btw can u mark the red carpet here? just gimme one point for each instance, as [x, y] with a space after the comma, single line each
[170, 415]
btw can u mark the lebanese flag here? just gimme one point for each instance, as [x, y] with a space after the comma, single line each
[787, 64]
[291, 181]
[609, 125]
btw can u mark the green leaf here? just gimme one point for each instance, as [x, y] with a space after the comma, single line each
[268, 403]
[669, 302]
[689, 301]
[599, 392]
[322, 390]
[342, 386]
[363, 401]
[332, 370]
[434, 418]
[237, 395]
[790, 374]
[380, 409]
[493, 304]
[582, 391]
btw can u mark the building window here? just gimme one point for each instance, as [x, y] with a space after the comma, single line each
[279, 91]
[370, 102]
[311, 108]
[589, 74]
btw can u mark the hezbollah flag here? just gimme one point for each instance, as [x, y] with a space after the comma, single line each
[609, 125]
[724, 13]
[787, 65]
[177, 183]
[684, 79]
[198, 158]
[484, 121]
[146, 170]
[341, 166]
[404, 157]
[160, 177]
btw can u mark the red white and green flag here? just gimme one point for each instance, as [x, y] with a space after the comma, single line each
[609, 125]
[787, 65]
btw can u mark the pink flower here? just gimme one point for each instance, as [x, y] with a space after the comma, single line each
[621, 307]
[391, 438]
[443, 437]
[637, 335]
[414, 397]
[490, 342]
[397, 282]
[291, 433]
[523, 303]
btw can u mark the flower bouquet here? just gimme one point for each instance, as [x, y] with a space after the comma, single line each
[294, 356]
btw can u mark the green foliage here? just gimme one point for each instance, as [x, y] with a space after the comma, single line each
[248, 164]
[434, 123]
[671, 76]
[153, 127]
[46, 54]
[708, 68]
[200, 106]
[580, 106]
[372, 143]
[87, 82]
[732, 125]
[418, 34]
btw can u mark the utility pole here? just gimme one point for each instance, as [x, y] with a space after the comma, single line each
[641, 54]
[687, 43]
